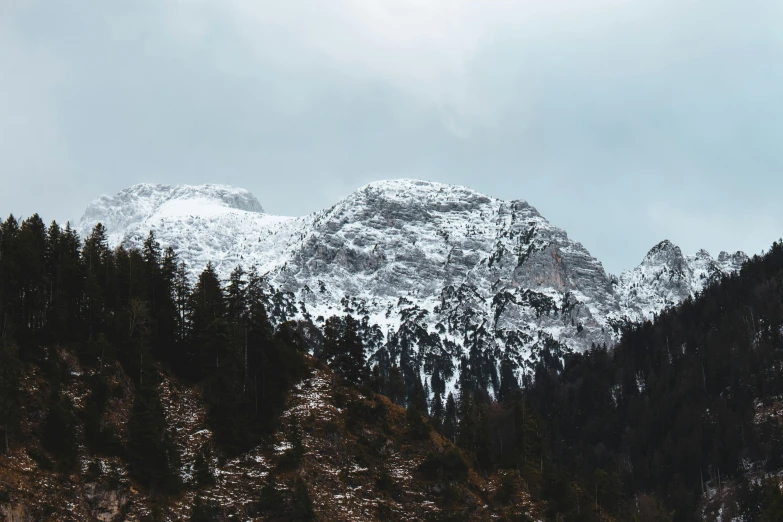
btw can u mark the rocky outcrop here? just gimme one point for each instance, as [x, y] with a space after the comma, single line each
[665, 277]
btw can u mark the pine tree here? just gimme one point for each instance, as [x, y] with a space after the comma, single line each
[236, 302]
[418, 397]
[64, 285]
[482, 444]
[450, 419]
[436, 412]
[226, 390]
[31, 253]
[151, 251]
[97, 260]
[181, 296]
[301, 508]
[396, 390]
[209, 334]
[509, 386]
[354, 364]
[343, 349]
[165, 315]
[466, 432]
[10, 370]
[152, 456]
[259, 345]
[331, 351]
[9, 276]
[59, 431]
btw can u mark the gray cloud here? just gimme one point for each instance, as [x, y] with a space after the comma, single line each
[623, 121]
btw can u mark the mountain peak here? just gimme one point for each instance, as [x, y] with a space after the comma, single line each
[145, 200]
[666, 277]
[432, 195]
[665, 253]
[419, 191]
[663, 246]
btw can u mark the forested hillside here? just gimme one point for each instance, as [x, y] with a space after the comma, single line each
[116, 369]
[686, 408]
[128, 393]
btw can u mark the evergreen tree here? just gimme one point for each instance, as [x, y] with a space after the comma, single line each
[98, 438]
[10, 370]
[32, 271]
[354, 365]
[259, 349]
[59, 431]
[236, 303]
[331, 351]
[152, 456]
[301, 508]
[509, 386]
[209, 334]
[396, 390]
[181, 296]
[418, 397]
[436, 412]
[10, 277]
[450, 419]
[162, 298]
[377, 381]
[343, 349]
[97, 260]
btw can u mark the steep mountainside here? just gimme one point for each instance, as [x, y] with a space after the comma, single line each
[441, 268]
[688, 406]
[348, 456]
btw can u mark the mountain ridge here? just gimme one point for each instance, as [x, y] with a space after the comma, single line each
[441, 267]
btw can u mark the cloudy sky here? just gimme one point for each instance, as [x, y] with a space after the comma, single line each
[623, 121]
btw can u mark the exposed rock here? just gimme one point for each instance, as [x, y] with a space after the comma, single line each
[666, 277]
[467, 268]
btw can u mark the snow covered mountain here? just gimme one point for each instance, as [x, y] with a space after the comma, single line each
[666, 277]
[441, 270]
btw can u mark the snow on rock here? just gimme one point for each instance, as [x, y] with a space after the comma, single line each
[439, 267]
[137, 204]
[666, 277]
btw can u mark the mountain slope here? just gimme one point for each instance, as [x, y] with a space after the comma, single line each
[687, 406]
[357, 462]
[443, 268]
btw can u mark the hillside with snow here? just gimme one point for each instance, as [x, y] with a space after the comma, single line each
[439, 272]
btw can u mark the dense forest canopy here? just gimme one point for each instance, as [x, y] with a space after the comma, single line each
[643, 429]
[138, 307]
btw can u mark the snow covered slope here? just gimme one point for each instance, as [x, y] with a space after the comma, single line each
[666, 277]
[140, 203]
[439, 268]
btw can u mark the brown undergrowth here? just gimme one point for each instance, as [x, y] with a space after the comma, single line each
[339, 454]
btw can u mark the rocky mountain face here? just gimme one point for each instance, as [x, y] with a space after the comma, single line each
[436, 271]
[666, 277]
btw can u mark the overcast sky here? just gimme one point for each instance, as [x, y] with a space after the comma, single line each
[624, 122]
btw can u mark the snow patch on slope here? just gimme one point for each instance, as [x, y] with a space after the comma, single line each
[138, 203]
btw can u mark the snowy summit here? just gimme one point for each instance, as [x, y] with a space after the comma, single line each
[440, 266]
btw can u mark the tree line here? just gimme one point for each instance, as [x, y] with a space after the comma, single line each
[640, 430]
[136, 307]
